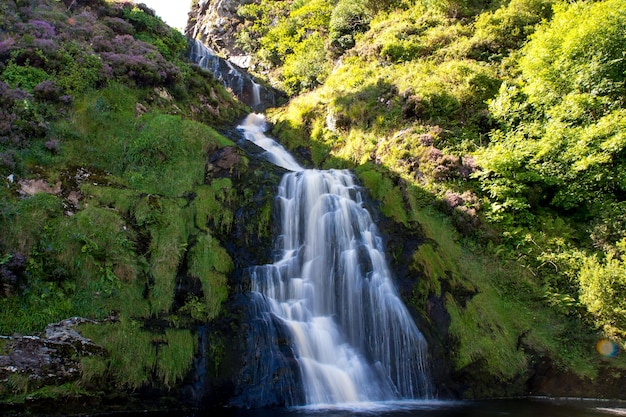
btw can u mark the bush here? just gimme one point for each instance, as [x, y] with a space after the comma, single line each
[563, 129]
[348, 19]
[24, 77]
[580, 51]
[508, 28]
[603, 292]
[306, 67]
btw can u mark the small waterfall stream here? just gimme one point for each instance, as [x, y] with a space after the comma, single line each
[238, 81]
[330, 288]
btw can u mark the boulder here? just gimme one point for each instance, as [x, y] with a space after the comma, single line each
[51, 358]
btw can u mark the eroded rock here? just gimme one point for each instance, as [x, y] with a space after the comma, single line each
[49, 358]
[223, 162]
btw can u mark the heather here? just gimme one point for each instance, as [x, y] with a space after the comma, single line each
[105, 198]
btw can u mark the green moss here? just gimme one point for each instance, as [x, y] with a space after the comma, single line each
[489, 334]
[434, 268]
[382, 188]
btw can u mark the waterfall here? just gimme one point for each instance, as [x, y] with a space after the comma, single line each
[237, 80]
[253, 128]
[331, 292]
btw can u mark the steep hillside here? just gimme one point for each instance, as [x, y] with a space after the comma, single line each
[491, 133]
[118, 196]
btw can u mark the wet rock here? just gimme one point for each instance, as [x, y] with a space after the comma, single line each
[50, 358]
[223, 162]
[217, 23]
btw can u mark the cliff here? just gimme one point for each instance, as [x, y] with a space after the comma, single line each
[216, 23]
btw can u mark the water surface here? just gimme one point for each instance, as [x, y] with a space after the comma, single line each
[501, 408]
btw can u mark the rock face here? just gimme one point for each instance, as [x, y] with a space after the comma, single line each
[215, 23]
[52, 358]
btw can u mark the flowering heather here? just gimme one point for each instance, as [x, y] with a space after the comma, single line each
[7, 159]
[47, 90]
[53, 145]
[136, 60]
[41, 29]
[119, 26]
[6, 45]
[81, 27]
[9, 96]
[47, 46]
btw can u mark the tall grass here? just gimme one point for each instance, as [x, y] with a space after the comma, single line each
[175, 356]
[135, 357]
[131, 353]
[210, 263]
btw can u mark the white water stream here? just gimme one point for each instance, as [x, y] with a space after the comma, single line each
[238, 81]
[353, 338]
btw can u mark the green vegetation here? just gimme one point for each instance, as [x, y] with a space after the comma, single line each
[137, 355]
[508, 118]
[105, 203]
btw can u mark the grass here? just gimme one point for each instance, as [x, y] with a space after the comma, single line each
[121, 250]
[211, 205]
[132, 355]
[210, 263]
[137, 357]
[169, 239]
[175, 356]
[382, 189]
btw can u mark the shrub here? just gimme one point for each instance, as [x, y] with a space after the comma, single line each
[562, 129]
[306, 67]
[508, 28]
[603, 291]
[580, 51]
[24, 77]
[348, 19]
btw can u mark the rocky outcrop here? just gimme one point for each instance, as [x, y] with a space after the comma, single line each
[215, 23]
[52, 358]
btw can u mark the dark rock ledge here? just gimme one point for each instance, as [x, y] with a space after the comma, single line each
[51, 358]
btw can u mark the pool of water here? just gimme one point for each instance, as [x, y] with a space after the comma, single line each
[498, 408]
[501, 408]
[538, 407]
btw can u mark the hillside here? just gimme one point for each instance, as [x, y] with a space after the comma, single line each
[494, 132]
[117, 192]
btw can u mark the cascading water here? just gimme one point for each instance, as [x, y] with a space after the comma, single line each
[330, 291]
[253, 128]
[237, 80]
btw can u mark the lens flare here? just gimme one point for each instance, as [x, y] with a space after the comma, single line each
[607, 348]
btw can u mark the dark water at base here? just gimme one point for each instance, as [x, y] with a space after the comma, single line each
[452, 409]
[501, 408]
